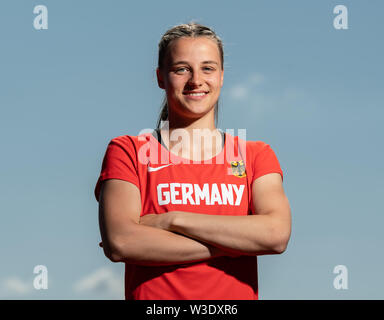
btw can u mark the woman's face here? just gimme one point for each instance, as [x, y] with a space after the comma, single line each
[192, 76]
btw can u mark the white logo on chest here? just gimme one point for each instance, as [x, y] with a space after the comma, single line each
[150, 169]
[188, 193]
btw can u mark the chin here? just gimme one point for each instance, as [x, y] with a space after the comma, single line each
[198, 106]
[194, 109]
[199, 111]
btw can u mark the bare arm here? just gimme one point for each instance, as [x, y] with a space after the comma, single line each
[267, 232]
[125, 240]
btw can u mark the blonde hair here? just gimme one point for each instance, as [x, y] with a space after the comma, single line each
[191, 29]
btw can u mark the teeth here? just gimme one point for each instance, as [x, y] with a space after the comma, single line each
[197, 94]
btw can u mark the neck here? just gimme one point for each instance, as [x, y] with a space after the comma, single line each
[192, 138]
[207, 121]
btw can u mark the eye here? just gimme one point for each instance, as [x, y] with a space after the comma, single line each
[208, 69]
[181, 70]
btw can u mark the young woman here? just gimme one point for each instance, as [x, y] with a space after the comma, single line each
[187, 218]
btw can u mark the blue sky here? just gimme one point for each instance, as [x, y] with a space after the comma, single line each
[314, 93]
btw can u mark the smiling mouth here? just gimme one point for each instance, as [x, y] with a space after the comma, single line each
[196, 94]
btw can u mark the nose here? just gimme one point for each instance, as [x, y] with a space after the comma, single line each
[195, 79]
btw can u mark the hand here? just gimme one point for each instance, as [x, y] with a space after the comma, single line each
[157, 220]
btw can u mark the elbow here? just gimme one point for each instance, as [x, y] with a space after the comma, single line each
[280, 240]
[280, 247]
[124, 247]
[281, 235]
[114, 257]
[281, 243]
[113, 251]
[120, 247]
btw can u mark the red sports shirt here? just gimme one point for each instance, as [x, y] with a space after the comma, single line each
[171, 183]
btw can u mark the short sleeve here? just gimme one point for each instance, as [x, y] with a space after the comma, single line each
[265, 162]
[119, 162]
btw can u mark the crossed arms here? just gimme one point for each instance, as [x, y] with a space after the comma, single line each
[183, 237]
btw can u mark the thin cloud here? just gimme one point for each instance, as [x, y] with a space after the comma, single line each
[239, 92]
[243, 90]
[14, 286]
[250, 96]
[256, 79]
[102, 281]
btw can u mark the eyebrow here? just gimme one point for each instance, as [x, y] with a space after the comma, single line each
[185, 62]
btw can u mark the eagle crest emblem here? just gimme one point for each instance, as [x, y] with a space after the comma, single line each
[238, 168]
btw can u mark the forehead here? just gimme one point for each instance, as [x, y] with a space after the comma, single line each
[194, 49]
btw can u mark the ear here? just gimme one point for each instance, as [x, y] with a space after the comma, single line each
[160, 80]
[222, 78]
